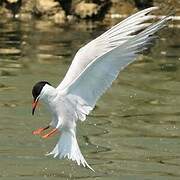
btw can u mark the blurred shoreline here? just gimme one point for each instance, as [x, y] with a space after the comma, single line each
[71, 11]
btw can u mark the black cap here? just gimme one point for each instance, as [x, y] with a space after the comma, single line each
[37, 88]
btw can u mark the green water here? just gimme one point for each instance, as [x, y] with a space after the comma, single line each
[134, 132]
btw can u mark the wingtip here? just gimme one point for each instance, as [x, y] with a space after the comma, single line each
[148, 10]
[87, 165]
[155, 7]
[152, 8]
[170, 16]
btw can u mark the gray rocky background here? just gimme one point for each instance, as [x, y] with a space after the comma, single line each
[62, 11]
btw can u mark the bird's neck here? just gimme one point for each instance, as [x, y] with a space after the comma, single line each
[48, 93]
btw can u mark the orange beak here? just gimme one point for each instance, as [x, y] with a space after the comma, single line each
[34, 104]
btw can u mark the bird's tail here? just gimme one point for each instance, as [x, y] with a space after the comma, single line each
[67, 146]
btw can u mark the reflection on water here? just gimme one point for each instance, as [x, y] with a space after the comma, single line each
[132, 134]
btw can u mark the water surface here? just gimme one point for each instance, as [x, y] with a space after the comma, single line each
[134, 132]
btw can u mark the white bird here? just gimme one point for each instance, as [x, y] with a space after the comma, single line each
[93, 69]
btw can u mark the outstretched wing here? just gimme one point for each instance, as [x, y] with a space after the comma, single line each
[109, 40]
[85, 90]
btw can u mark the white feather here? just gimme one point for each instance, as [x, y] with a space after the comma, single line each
[67, 146]
[92, 71]
[119, 33]
[99, 74]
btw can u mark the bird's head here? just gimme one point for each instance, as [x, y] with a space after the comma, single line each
[37, 92]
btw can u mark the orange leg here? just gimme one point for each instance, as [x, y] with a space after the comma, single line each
[51, 133]
[40, 130]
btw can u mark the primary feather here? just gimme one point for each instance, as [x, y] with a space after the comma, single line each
[93, 80]
[112, 38]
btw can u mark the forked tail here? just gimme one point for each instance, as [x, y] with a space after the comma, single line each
[67, 146]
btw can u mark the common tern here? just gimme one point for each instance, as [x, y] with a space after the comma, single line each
[94, 67]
